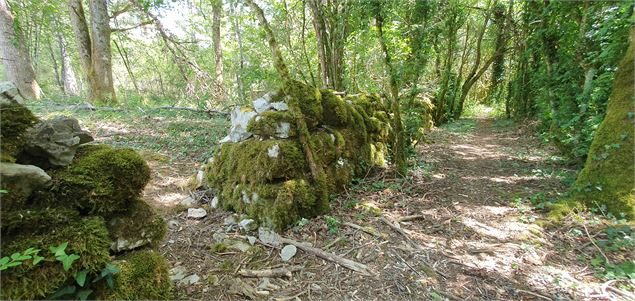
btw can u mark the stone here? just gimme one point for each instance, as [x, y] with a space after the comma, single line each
[55, 141]
[251, 240]
[138, 226]
[188, 202]
[219, 236]
[189, 280]
[177, 273]
[279, 106]
[237, 245]
[214, 202]
[273, 151]
[283, 129]
[239, 119]
[9, 93]
[263, 103]
[230, 220]
[288, 252]
[248, 225]
[20, 181]
[196, 213]
[172, 224]
[268, 237]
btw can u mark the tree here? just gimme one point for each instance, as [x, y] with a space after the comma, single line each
[217, 9]
[94, 48]
[607, 177]
[68, 75]
[15, 57]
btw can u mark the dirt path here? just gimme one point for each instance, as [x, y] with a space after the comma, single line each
[474, 238]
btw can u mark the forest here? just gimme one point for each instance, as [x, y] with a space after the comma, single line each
[317, 150]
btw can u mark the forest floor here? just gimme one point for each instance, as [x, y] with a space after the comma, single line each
[467, 223]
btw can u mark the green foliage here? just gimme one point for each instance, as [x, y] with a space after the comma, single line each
[18, 258]
[332, 223]
[85, 284]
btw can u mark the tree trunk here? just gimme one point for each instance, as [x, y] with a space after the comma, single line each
[101, 54]
[241, 55]
[68, 75]
[399, 152]
[56, 69]
[607, 177]
[217, 9]
[15, 57]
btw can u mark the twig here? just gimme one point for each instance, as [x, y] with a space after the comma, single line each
[534, 294]
[347, 263]
[411, 218]
[279, 272]
[370, 230]
[593, 241]
[332, 243]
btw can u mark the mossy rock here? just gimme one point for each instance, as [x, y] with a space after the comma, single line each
[249, 162]
[335, 110]
[272, 124]
[309, 100]
[15, 120]
[87, 238]
[101, 180]
[143, 275]
[138, 226]
[607, 177]
[35, 220]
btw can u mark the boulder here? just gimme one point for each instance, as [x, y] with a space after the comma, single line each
[54, 142]
[19, 181]
[136, 227]
[240, 118]
[9, 93]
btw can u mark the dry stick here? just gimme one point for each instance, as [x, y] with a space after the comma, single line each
[593, 241]
[370, 230]
[534, 294]
[410, 218]
[412, 242]
[347, 263]
[279, 272]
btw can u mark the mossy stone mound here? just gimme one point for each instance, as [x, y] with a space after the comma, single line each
[101, 180]
[15, 120]
[138, 226]
[269, 178]
[87, 238]
[143, 275]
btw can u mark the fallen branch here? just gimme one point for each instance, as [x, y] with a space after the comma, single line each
[534, 294]
[279, 272]
[370, 230]
[410, 218]
[347, 263]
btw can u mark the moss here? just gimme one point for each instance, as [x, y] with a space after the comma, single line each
[101, 180]
[138, 225]
[87, 238]
[143, 275]
[607, 177]
[309, 101]
[35, 220]
[268, 123]
[335, 111]
[15, 120]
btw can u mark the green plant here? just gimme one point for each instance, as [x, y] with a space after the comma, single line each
[18, 258]
[332, 224]
[83, 286]
[61, 256]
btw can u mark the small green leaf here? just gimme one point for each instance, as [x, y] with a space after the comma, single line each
[80, 277]
[4, 260]
[67, 261]
[67, 290]
[111, 283]
[84, 294]
[37, 259]
[59, 250]
[110, 269]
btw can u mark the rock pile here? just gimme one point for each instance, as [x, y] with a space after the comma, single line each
[54, 190]
[261, 168]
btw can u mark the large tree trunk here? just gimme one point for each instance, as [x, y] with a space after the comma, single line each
[101, 54]
[607, 178]
[15, 57]
[219, 91]
[68, 75]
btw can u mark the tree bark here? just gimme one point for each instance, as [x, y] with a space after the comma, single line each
[217, 9]
[15, 56]
[101, 53]
[68, 75]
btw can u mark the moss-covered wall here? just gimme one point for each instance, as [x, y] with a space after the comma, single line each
[270, 179]
[608, 177]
